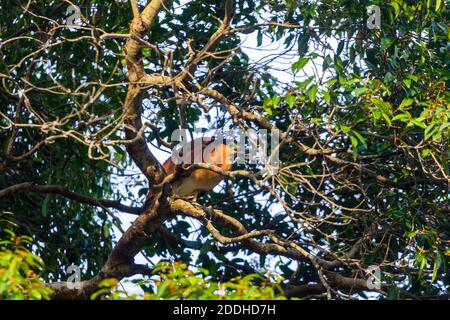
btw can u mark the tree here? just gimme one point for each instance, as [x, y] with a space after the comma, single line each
[361, 112]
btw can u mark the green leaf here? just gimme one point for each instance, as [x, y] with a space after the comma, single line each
[406, 102]
[429, 130]
[262, 260]
[396, 8]
[292, 189]
[407, 83]
[389, 77]
[340, 47]
[376, 114]
[438, 5]
[359, 91]
[326, 97]
[268, 110]
[354, 142]
[259, 38]
[393, 293]
[437, 265]
[360, 137]
[303, 44]
[404, 117]
[206, 247]
[142, 192]
[385, 43]
[275, 101]
[290, 100]
[386, 118]
[418, 123]
[444, 126]
[313, 92]
[413, 77]
[297, 66]
[36, 295]
[425, 152]
[303, 84]
[345, 129]
[45, 206]
[423, 263]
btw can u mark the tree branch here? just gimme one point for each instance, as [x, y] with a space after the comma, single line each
[340, 282]
[188, 209]
[138, 150]
[133, 240]
[65, 192]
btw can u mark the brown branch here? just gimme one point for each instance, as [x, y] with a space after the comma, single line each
[303, 290]
[229, 174]
[11, 159]
[188, 209]
[65, 192]
[122, 255]
[138, 150]
[135, 8]
[158, 137]
[280, 247]
[62, 291]
[195, 59]
[339, 282]
[133, 240]
[379, 178]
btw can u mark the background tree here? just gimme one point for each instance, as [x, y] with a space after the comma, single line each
[362, 114]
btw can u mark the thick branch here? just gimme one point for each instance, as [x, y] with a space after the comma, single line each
[133, 240]
[339, 282]
[65, 291]
[65, 192]
[139, 150]
[121, 259]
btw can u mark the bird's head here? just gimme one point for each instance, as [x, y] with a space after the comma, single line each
[218, 151]
[213, 150]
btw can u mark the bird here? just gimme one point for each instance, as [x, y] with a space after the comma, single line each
[200, 150]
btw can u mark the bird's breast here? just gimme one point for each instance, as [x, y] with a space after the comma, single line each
[199, 180]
